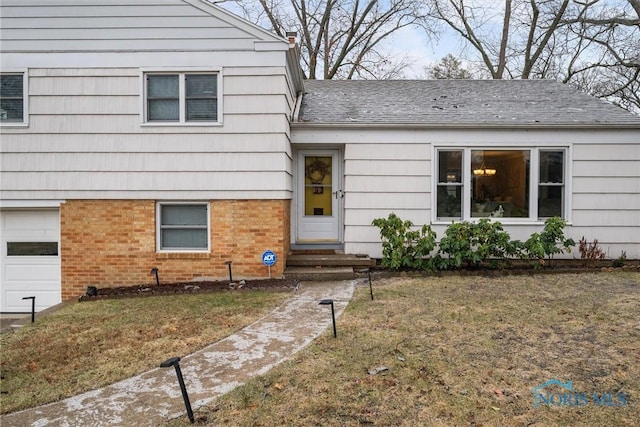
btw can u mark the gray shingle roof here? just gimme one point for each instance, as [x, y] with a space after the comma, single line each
[457, 102]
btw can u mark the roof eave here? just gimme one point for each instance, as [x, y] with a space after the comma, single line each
[360, 125]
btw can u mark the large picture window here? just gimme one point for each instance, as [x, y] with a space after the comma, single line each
[12, 98]
[181, 98]
[183, 226]
[526, 184]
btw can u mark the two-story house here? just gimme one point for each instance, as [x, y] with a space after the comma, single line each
[172, 134]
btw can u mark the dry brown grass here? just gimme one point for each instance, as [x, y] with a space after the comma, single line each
[92, 344]
[459, 351]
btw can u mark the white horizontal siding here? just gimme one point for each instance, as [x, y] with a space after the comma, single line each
[83, 10]
[387, 184]
[585, 201]
[383, 171]
[388, 201]
[604, 184]
[127, 45]
[57, 26]
[363, 217]
[255, 104]
[190, 194]
[149, 181]
[84, 85]
[606, 218]
[392, 167]
[85, 137]
[397, 151]
[245, 85]
[92, 124]
[607, 149]
[152, 33]
[84, 105]
[144, 143]
[610, 168]
[148, 162]
[175, 59]
[606, 192]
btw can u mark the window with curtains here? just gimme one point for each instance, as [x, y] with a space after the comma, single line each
[181, 98]
[500, 182]
[12, 98]
[183, 226]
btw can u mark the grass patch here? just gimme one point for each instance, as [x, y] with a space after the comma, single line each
[89, 345]
[458, 351]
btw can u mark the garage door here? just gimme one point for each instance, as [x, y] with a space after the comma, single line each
[30, 259]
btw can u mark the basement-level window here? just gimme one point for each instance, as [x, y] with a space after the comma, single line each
[183, 226]
[500, 182]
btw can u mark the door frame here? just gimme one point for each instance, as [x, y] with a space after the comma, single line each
[297, 205]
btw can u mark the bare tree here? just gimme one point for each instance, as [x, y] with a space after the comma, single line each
[592, 44]
[340, 38]
[449, 67]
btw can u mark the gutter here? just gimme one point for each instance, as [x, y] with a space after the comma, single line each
[479, 126]
[296, 107]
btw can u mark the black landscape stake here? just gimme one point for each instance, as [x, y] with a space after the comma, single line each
[368, 271]
[154, 270]
[33, 308]
[230, 275]
[175, 362]
[333, 314]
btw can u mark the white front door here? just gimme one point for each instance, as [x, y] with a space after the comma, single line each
[29, 253]
[319, 196]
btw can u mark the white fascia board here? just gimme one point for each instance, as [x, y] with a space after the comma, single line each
[263, 46]
[180, 59]
[236, 21]
[14, 204]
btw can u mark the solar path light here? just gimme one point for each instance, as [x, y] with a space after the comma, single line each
[229, 265]
[154, 270]
[175, 362]
[33, 308]
[333, 314]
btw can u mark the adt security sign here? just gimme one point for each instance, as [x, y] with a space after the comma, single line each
[269, 258]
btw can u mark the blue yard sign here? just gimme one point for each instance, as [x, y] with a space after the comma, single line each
[269, 258]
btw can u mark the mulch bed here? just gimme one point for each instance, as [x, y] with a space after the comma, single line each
[188, 288]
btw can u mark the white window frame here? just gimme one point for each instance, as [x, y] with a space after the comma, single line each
[159, 227]
[25, 96]
[181, 73]
[534, 172]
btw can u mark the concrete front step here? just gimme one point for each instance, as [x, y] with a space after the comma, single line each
[329, 260]
[320, 274]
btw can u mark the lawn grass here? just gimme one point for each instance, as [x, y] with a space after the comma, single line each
[91, 344]
[458, 351]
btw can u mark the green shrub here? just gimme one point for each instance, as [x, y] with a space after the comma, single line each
[620, 261]
[403, 246]
[549, 242]
[469, 244]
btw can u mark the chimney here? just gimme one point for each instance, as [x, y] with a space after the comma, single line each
[291, 36]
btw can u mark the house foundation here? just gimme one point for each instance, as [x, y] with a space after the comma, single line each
[110, 243]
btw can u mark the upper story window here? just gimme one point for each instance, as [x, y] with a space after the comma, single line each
[527, 184]
[181, 98]
[13, 99]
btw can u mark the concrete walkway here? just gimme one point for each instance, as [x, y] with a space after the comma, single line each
[154, 397]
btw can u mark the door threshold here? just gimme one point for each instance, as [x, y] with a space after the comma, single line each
[337, 247]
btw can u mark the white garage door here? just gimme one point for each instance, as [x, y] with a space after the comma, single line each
[30, 258]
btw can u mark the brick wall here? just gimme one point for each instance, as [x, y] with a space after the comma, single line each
[109, 243]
